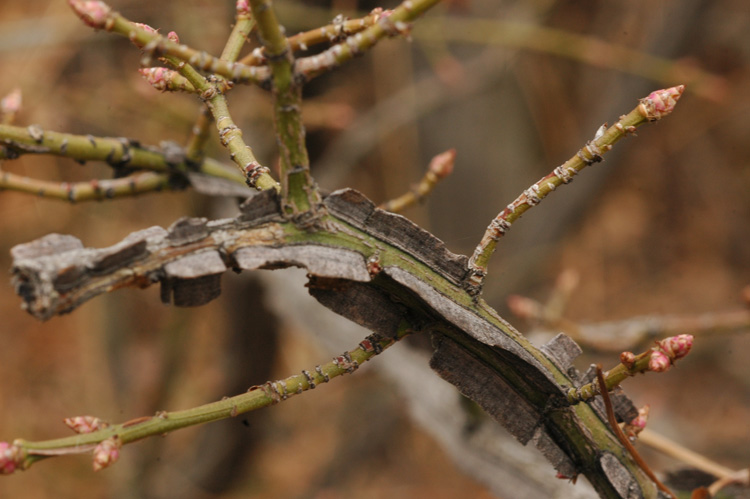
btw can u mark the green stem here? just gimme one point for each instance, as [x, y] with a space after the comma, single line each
[92, 190]
[256, 175]
[269, 393]
[612, 379]
[393, 24]
[158, 45]
[200, 131]
[117, 152]
[651, 108]
[298, 190]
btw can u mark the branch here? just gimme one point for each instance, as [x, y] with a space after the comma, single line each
[298, 190]
[334, 32]
[92, 190]
[99, 15]
[119, 153]
[105, 440]
[372, 267]
[395, 23]
[654, 107]
[440, 167]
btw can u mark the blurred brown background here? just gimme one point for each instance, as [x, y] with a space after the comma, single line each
[661, 227]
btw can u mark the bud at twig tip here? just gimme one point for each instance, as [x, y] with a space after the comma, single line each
[93, 13]
[660, 103]
[442, 164]
[243, 7]
[11, 458]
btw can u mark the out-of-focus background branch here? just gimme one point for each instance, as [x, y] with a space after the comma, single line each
[659, 228]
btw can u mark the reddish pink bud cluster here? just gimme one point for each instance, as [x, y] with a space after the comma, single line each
[442, 164]
[637, 425]
[107, 452]
[660, 103]
[11, 458]
[677, 346]
[94, 14]
[157, 77]
[669, 350]
[173, 37]
[243, 7]
[85, 424]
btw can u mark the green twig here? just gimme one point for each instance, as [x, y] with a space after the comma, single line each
[92, 190]
[269, 393]
[397, 23]
[199, 133]
[298, 190]
[331, 33]
[101, 16]
[440, 167]
[118, 152]
[659, 358]
[652, 108]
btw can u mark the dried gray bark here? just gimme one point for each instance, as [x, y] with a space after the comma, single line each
[376, 268]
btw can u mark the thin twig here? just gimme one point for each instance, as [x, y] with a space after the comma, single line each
[100, 16]
[118, 152]
[299, 192]
[397, 23]
[440, 167]
[331, 33]
[621, 436]
[199, 133]
[652, 108]
[658, 359]
[92, 190]
[270, 393]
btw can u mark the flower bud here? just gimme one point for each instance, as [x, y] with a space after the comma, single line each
[659, 361]
[85, 424]
[107, 452]
[660, 103]
[94, 14]
[11, 458]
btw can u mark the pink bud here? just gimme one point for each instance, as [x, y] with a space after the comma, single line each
[243, 7]
[85, 424]
[660, 103]
[442, 164]
[11, 458]
[94, 14]
[11, 103]
[172, 36]
[627, 359]
[107, 452]
[659, 361]
[677, 346]
[634, 427]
